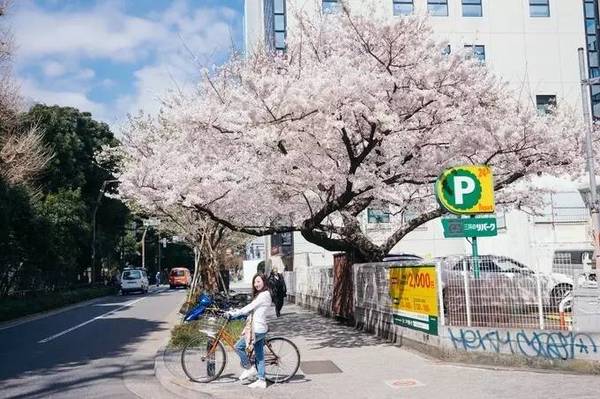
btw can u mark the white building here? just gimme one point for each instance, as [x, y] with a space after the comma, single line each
[531, 44]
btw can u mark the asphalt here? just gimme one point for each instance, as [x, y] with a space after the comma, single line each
[96, 350]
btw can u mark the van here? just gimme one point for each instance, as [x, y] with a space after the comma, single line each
[180, 277]
[134, 280]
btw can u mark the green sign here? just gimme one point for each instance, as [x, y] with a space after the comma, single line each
[470, 227]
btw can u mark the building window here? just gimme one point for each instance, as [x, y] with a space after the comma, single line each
[472, 8]
[544, 103]
[377, 216]
[403, 7]
[563, 207]
[275, 24]
[279, 25]
[539, 8]
[331, 6]
[478, 51]
[438, 8]
[590, 12]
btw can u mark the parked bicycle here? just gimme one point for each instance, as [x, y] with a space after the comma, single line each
[214, 305]
[204, 359]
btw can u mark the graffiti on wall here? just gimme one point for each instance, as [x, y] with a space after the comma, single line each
[542, 344]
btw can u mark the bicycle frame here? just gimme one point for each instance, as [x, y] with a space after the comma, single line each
[225, 337]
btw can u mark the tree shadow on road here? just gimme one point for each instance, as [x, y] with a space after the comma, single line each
[320, 331]
[60, 358]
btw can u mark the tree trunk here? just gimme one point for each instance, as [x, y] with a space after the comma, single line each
[343, 293]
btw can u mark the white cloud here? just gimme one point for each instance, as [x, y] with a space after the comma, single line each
[86, 74]
[79, 100]
[167, 48]
[54, 69]
[102, 32]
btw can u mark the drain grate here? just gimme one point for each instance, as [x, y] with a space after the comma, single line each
[319, 367]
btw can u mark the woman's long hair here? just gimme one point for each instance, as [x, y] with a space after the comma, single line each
[265, 287]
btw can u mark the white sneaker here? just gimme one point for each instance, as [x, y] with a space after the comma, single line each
[248, 373]
[258, 384]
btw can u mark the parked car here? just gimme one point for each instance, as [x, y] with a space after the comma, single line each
[180, 277]
[133, 279]
[508, 280]
[402, 257]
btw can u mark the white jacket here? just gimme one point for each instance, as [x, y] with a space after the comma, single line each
[261, 306]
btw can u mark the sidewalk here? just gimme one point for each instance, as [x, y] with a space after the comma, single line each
[353, 364]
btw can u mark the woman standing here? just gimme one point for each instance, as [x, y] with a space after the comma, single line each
[258, 328]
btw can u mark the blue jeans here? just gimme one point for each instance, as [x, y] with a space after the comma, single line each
[259, 354]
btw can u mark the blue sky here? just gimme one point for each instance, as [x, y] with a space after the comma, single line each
[114, 57]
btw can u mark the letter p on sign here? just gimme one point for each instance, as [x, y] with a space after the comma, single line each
[463, 185]
[466, 189]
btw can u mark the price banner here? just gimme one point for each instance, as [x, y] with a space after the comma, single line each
[413, 290]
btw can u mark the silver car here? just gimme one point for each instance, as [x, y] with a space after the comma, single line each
[504, 282]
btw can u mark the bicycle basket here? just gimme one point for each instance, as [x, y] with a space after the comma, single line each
[211, 325]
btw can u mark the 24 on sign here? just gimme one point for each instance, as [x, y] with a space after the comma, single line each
[420, 280]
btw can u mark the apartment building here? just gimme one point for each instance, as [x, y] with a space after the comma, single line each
[531, 44]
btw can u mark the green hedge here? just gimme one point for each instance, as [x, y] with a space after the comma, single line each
[13, 308]
[188, 332]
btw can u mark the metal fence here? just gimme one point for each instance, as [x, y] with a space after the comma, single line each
[488, 291]
[495, 291]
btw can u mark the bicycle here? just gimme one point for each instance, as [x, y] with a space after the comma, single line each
[204, 359]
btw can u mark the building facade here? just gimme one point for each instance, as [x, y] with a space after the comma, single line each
[532, 45]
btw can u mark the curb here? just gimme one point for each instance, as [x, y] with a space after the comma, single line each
[171, 383]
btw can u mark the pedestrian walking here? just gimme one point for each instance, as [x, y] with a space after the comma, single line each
[278, 289]
[255, 331]
[157, 278]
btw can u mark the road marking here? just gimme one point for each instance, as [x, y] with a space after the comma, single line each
[404, 383]
[50, 338]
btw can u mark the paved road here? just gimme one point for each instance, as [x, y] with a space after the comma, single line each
[103, 349]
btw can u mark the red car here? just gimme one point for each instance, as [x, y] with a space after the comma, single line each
[180, 277]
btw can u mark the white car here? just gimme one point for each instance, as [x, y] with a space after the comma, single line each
[134, 280]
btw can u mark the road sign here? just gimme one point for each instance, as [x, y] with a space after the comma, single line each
[470, 227]
[466, 190]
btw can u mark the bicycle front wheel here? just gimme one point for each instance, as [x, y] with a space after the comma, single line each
[282, 360]
[203, 359]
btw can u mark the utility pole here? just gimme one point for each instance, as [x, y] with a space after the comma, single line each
[587, 116]
[96, 206]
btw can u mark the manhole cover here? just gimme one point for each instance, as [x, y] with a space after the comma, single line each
[319, 367]
[404, 383]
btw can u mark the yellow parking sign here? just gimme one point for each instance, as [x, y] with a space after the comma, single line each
[466, 190]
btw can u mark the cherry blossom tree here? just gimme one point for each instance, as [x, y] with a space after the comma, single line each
[209, 240]
[358, 112]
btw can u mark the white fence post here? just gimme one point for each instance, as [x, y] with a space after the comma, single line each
[540, 304]
[467, 293]
[440, 293]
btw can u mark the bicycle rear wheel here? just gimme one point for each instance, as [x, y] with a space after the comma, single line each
[282, 359]
[203, 359]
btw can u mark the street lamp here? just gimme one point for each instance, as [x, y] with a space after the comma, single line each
[105, 183]
[147, 223]
[587, 116]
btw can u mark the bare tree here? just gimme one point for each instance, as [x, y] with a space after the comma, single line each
[23, 154]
